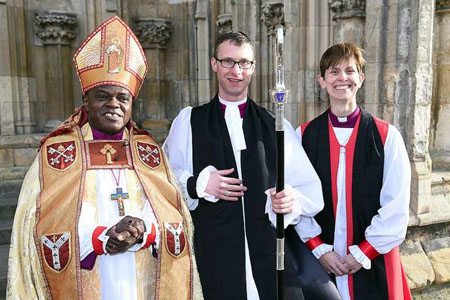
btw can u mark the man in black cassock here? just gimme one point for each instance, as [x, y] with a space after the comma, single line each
[223, 154]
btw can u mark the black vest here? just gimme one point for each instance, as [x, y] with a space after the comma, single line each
[219, 227]
[368, 164]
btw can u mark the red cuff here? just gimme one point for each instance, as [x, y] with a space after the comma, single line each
[98, 245]
[314, 243]
[150, 238]
[368, 250]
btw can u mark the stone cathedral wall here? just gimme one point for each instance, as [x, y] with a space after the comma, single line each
[407, 45]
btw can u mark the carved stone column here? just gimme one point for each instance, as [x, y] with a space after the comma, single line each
[56, 30]
[203, 53]
[350, 18]
[349, 15]
[399, 82]
[441, 94]
[16, 103]
[153, 33]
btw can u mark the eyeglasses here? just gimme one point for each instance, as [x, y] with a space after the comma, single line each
[229, 63]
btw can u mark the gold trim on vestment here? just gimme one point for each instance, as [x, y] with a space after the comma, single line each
[159, 180]
[120, 159]
[63, 192]
[60, 193]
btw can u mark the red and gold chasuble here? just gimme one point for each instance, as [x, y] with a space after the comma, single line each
[64, 160]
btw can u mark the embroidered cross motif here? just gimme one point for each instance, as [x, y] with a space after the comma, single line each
[119, 196]
[176, 236]
[54, 247]
[108, 150]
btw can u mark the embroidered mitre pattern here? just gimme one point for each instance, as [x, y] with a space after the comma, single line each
[111, 55]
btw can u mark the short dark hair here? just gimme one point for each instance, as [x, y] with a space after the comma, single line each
[339, 53]
[237, 38]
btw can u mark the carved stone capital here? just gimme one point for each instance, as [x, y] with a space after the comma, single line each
[153, 32]
[224, 23]
[443, 6]
[55, 27]
[272, 15]
[347, 8]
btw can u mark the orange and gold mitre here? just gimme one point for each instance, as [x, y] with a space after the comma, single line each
[111, 55]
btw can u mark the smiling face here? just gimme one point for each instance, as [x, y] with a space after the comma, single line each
[108, 107]
[342, 81]
[233, 82]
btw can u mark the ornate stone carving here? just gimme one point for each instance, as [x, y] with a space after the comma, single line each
[55, 27]
[153, 32]
[443, 6]
[224, 22]
[272, 15]
[347, 8]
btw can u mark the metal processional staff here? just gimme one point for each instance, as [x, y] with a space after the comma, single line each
[279, 97]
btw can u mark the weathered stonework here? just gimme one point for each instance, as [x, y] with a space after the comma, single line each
[224, 22]
[433, 240]
[54, 27]
[417, 266]
[435, 292]
[440, 145]
[153, 32]
[40, 87]
[348, 8]
[438, 252]
[111, 5]
[272, 15]
[6, 158]
[13, 173]
[349, 15]
[24, 156]
[16, 155]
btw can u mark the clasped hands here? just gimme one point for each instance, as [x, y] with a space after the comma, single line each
[335, 264]
[230, 189]
[125, 234]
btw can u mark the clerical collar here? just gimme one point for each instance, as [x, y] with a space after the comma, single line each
[240, 104]
[98, 135]
[344, 122]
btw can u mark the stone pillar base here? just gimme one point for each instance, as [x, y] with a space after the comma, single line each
[421, 187]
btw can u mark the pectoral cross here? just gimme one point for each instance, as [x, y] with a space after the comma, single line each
[119, 196]
[108, 150]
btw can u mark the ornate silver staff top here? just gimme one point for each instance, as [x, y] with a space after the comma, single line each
[279, 93]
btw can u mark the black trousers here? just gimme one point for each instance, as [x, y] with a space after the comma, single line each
[303, 271]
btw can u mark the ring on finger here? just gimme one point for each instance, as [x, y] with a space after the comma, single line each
[227, 193]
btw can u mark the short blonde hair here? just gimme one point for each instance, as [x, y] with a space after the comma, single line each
[339, 53]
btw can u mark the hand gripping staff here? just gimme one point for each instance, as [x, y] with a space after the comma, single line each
[279, 96]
